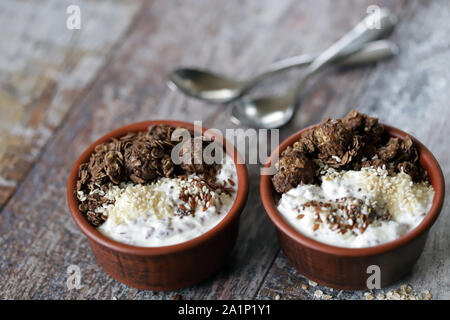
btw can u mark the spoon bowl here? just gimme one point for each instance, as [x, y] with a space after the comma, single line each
[267, 112]
[205, 85]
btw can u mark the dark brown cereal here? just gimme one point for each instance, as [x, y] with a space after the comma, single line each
[138, 157]
[351, 143]
[293, 168]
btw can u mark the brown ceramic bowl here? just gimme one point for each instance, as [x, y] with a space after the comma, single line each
[169, 267]
[346, 268]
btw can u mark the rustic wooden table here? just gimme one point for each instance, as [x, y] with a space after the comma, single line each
[61, 89]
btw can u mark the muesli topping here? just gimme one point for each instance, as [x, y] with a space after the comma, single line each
[350, 143]
[138, 157]
[347, 183]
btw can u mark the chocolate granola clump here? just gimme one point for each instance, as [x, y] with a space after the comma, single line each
[362, 124]
[141, 161]
[389, 151]
[194, 150]
[331, 138]
[293, 168]
[140, 157]
[351, 143]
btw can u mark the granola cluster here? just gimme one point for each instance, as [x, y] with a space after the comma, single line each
[350, 143]
[139, 157]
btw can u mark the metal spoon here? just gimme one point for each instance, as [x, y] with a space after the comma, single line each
[211, 87]
[274, 112]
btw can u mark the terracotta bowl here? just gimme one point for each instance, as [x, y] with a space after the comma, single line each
[169, 267]
[346, 268]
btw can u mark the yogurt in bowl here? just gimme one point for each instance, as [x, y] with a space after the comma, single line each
[357, 209]
[166, 211]
[346, 183]
[349, 195]
[153, 223]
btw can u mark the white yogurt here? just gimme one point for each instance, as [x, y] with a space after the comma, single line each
[152, 215]
[373, 192]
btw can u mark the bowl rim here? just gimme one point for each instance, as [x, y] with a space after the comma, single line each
[426, 160]
[94, 235]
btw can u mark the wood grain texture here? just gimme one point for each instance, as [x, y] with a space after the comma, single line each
[410, 92]
[39, 240]
[44, 67]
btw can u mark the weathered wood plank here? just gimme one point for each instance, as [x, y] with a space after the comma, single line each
[43, 68]
[39, 239]
[132, 88]
[410, 92]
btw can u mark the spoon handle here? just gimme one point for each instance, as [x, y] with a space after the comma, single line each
[371, 52]
[369, 29]
[274, 112]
